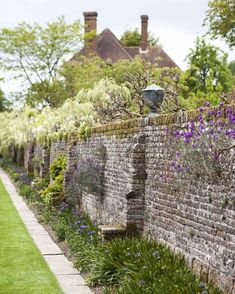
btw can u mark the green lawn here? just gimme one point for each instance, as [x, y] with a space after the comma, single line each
[22, 268]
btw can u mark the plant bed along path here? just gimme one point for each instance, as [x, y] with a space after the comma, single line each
[24, 268]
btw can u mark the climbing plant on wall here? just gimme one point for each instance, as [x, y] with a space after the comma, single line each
[204, 148]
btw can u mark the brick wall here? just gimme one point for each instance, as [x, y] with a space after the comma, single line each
[192, 217]
[57, 148]
[113, 207]
[29, 157]
[41, 162]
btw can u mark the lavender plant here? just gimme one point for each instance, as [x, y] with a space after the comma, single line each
[205, 147]
[89, 175]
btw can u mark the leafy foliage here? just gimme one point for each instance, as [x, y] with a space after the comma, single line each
[34, 53]
[53, 194]
[2, 99]
[143, 266]
[204, 149]
[221, 20]
[208, 77]
[83, 74]
[132, 38]
[232, 67]
[58, 166]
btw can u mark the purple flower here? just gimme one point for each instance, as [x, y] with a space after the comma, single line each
[201, 109]
[220, 123]
[173, 163]
[74, 212]
[212, 123]
[91, 233]
[177, 134]
[229, 110]
[231, 118]
[188, 136]
[83, 227]
[228, 132]
[219, 113]
[178, 153]
[179, 168]
[77, 222]
[200, 118]
[211, 112]
[63, 206]
[211, 131]
[216, 156]
[221, 104]
[207, 103]
[187, 140]
[201, 127]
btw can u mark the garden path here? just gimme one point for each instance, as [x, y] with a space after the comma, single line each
[68, 277]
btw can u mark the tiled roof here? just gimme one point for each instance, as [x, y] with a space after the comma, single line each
[110, 49]
[154, 54]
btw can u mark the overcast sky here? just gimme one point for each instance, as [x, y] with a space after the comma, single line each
[175, 22]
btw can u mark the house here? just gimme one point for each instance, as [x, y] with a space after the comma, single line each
[110, 49]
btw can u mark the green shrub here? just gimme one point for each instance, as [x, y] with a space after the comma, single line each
[15, 176]
[55, 189]
[46, 215]
[58, 166]
[144, 266]
[26, 191]
[60, 228]
[41, 183]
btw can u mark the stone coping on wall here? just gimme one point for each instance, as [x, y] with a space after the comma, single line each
[129, 127]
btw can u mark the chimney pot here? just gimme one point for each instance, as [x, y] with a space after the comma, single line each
[144, 32]
[90, 21]
[90, 13]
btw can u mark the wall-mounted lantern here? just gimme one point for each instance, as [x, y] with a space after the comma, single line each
[153, 96]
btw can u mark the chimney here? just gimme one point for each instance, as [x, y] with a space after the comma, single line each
[144, 33]
[90, 27]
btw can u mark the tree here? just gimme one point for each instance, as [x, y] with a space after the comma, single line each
[133, 38]
[208, 76]
[46, 93]
[34, 54]
[221, 20]
[232, 67]
[2, 98]
[136, 74]
[82, 74]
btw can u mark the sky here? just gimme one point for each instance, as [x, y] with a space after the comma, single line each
[177, 23]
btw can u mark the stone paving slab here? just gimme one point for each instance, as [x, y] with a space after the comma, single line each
[68, 277]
